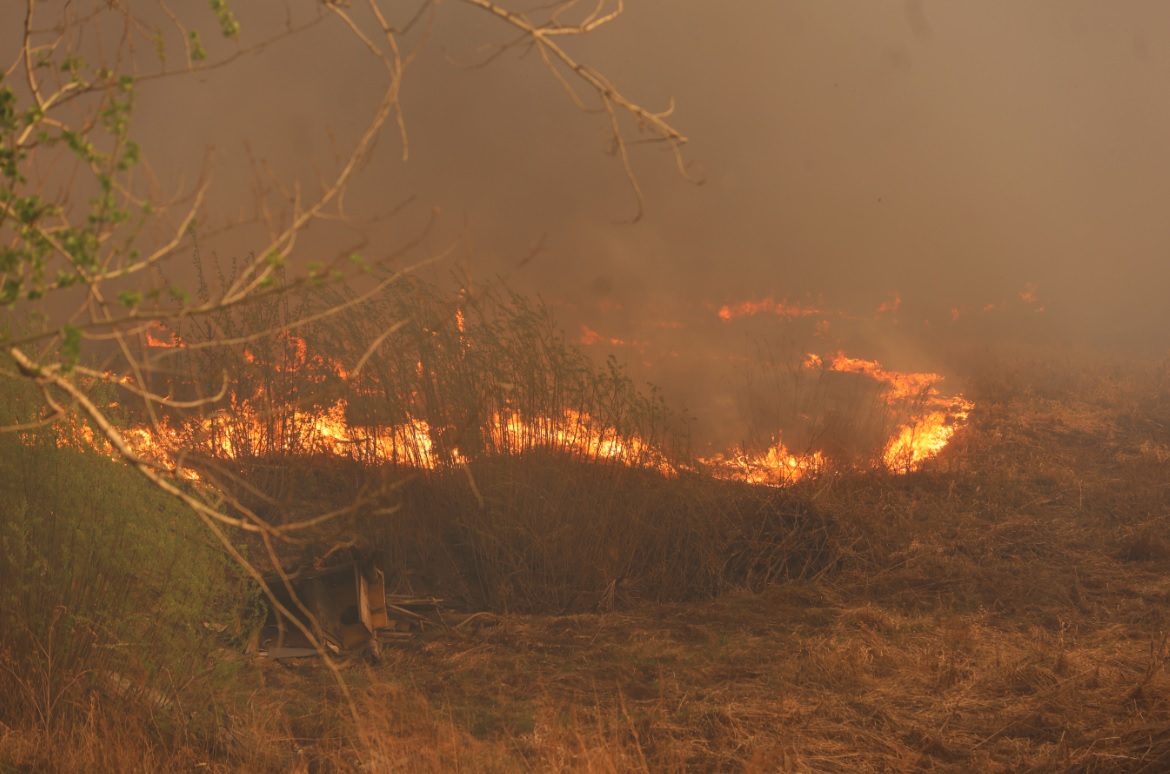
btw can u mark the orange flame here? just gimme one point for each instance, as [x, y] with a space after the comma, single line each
[891, 306]
[924, 436]
[589, 337]
[173, 340]
[775, 467]
[241, 429]
[902, 384]
[766, 306]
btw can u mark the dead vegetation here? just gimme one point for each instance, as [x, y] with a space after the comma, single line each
[1005, 609]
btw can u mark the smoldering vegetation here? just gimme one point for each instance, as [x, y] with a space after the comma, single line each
[488, 459]
[1001, 608]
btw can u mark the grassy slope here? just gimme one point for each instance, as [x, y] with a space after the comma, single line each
[1004, 610]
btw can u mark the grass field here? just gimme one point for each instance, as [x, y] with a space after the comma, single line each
[1004, 609]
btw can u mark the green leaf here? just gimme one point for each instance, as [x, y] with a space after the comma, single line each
[227, 20]
[9, 292]
[70, 347]
[130, 153]
[72, 64]
[160, 46]
[32, 116]
[9, 258]
[198, 52]
[7, 109]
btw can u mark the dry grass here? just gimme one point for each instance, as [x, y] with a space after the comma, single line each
[553, 535]
[1004, 610]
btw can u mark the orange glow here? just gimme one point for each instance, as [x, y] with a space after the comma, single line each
[937, 417]
[250, 427]
[240, 431]
[766, 306]
[589, 337]
[903, 385]
[926, 436]
[573, 433]
[775, 467]
[76, 434]
[891, 306]
[171, 339]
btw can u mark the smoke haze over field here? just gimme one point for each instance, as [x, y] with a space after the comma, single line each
[985, 171]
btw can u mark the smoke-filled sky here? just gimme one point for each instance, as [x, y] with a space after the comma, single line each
[994, 168]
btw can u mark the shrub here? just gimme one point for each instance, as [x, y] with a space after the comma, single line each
[107, 585]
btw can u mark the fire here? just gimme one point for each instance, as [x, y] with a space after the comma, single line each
[891, 306]
[575, 433]
[777, 466]
[248, 426]
[142, 442]
[242, 431]
[934, 421]
[903, 385]
[766, 306]
[589, 337]
[925, 435]
[171, 339]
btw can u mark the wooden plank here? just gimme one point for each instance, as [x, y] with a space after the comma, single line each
[363, 602]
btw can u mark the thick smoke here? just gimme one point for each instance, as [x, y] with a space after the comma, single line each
[982, 173]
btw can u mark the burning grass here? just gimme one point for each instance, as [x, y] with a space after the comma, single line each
[1002, 611]
[471, 376]
[1001, 608]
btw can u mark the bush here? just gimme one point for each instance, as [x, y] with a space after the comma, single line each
[107, 585]
[467, 375]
